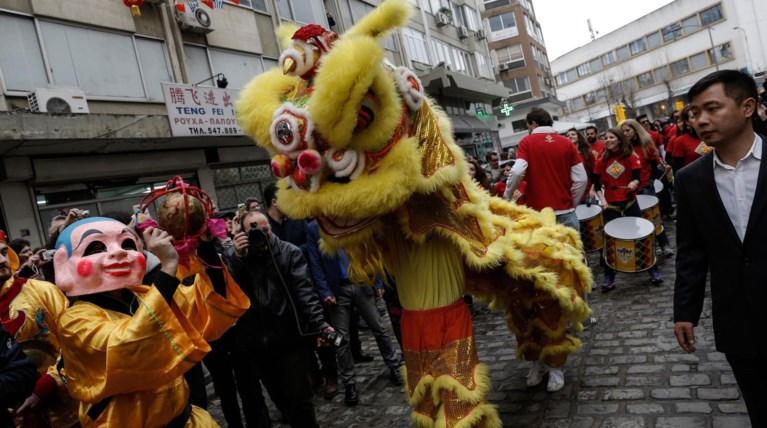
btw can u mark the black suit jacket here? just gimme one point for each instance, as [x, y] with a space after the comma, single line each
[707, 241]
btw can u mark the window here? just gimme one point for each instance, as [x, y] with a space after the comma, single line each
[608, 58]
[661, 74]
[622, 53]
[255, 4]
[300, 11]
[519, 125]
[435, 6]
[653, 40]
[501, 22]
[645, 79]
[680, 67]
[637, 46]
[590, 98]
[239, 68]
[561, 79]
[690, 25]
[711, 15]
[571, 75]
[601, 95]
[21, 60]
[511, 55]
[483, 63]
[518, 85]
[583, 69]
[154, 66]
[721, 53]
[471, 18]
[457, 15]
[698, 61]
[415, 45]
[595, 64]
[671, 32]
[578, 103]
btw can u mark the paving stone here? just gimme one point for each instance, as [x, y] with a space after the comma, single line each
[632, 334]
[597, 409]
[606, 343]
[600, 381]
[694, 379]
[558, 409]
[680, 422]
[738, 407]
[671, 393]
[604, 336]
[656, 368]
[644, 408]
[587, 395]
[692, 407]
[718, 393]
[622, 394]
[595, 371]
[727, 379]
[676, 358]
[730, 422]
[582, 422]
[720, 366]
[644, 381]
[623, 422]
[559, 423]
[640, 342]
[628, 359]
[716, 356]
[680, 368]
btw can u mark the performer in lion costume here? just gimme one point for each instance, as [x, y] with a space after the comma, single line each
[358, 146]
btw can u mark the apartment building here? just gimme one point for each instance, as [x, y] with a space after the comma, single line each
[98, 107]
[516, 41]
[648, 65]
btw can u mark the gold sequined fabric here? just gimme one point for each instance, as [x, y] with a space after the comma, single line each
[435, 153]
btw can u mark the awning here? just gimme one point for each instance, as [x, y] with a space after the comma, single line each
[468, 124]
[678, 92]
[443, 81]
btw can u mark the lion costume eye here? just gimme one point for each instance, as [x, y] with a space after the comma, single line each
[291, 130]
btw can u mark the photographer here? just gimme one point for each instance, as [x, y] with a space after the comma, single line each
[285, 312]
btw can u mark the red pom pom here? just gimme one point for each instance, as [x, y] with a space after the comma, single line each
[310, 161]
[282, 166]
[309, 31]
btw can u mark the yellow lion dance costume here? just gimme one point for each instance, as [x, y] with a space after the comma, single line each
[358, 146]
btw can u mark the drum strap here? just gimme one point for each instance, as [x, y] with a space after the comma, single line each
[621, 208]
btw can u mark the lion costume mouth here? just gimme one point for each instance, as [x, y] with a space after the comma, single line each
[341, 226]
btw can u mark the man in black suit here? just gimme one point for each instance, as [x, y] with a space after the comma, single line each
[721, 199]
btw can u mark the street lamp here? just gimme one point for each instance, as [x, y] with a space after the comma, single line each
[748, 48]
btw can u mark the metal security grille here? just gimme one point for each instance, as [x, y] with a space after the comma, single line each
[235, 184]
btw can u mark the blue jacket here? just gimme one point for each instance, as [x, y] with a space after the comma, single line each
[326, 270]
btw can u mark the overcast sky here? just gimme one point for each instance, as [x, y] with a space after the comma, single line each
[564, 21]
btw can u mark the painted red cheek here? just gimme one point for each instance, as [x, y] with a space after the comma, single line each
[84, 268]
[142, 261]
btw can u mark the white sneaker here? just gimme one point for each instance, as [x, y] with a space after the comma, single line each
[556, 379]
[535, 375]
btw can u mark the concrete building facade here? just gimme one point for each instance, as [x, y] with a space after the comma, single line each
[648, 65]
[99, 58]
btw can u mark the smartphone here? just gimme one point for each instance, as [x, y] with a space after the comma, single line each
[48, 254]
[241, 208]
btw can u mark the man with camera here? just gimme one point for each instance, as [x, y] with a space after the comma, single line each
[285, 312]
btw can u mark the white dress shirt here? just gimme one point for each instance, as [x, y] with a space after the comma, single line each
[737, 185]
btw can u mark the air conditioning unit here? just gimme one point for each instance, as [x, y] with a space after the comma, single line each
[463, 32]
[64, 101]
[503, 67]
[198, 21]
[481, 35]
[442, 19]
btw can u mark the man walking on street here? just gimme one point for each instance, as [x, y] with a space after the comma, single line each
[721, 199]
[556, 179]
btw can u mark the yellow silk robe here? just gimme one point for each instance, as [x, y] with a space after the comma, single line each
[139, 360]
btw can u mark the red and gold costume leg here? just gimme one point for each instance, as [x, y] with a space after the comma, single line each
[446, 385]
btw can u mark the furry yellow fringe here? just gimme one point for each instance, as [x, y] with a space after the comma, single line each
[483, 413]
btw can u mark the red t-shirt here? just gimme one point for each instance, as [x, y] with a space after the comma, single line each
[499, 188]
[598, 147]
[689, 148]
[656, 138]
[644, 175]
[670, 132]
[550, 158]
[617, 172]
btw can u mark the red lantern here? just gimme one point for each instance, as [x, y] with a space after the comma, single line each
[134, 6]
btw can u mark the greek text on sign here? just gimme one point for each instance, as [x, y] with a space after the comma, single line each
[201, 111]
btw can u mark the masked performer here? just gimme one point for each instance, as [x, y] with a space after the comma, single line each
[127, 345]
[358, 146]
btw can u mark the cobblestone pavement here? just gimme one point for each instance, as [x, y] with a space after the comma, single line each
[629, 372]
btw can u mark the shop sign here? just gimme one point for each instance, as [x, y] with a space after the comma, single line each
[195, 111]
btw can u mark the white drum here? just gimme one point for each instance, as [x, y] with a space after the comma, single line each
[591, 225]
[658, 186]
[650, 207]
[630, 244]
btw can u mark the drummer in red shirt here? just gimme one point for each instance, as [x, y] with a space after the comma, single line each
[687, 146]
[652, 167]
[596, 144]
[616, 181]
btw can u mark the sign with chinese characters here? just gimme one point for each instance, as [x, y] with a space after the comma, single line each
[201, 111]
